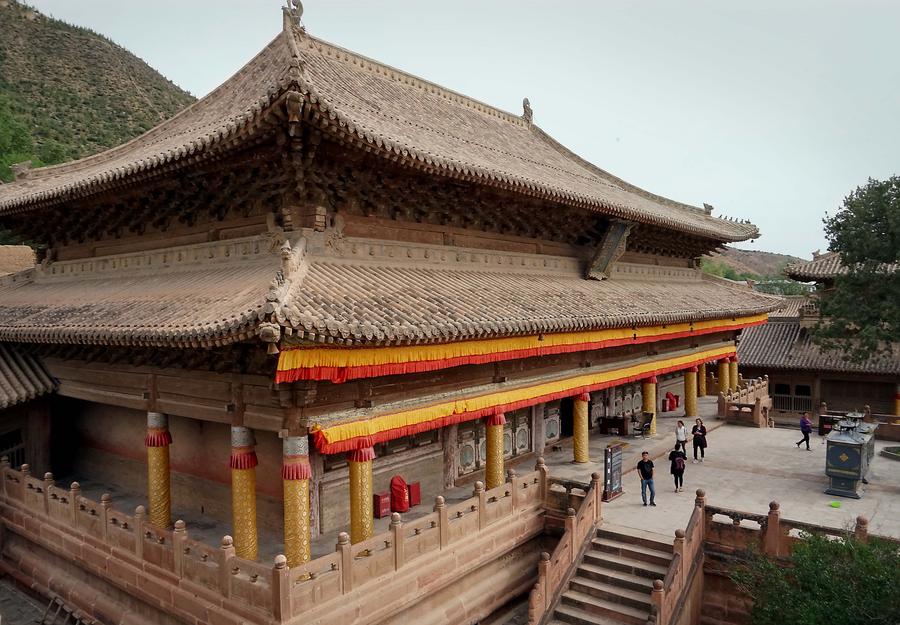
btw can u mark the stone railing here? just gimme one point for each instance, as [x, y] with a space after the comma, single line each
[555, 569]
[750, 404]
[668, 594]
[129, 553]
[735, 532]
[186, 577]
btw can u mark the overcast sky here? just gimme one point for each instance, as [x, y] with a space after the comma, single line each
[771, 110]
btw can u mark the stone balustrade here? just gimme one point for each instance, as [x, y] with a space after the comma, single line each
[749, 404]
[192, 580]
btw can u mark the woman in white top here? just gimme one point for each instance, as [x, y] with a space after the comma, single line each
[681, 436]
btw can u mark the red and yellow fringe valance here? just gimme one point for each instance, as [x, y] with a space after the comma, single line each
[157, 437]
[296, 468]
[359, 434]
[340, 364]
[242, 458]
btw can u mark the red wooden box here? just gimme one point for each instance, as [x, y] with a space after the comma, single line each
[415, 493]
[381, 505]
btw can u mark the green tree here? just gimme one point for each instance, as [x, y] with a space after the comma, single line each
[825, 582]
[861, 314]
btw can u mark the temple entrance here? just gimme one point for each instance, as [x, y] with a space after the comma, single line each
[566, 421]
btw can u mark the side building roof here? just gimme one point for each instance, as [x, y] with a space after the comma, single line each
[22, 377]
[382, 110]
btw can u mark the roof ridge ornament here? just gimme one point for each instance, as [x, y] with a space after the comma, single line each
[527, 113]
[294, 10]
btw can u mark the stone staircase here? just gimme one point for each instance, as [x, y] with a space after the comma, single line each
[613, 581]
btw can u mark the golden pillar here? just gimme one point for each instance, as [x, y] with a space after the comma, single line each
[733, 373]
[897, 401]
[724, 386]
[648, 393]
[701, 380]
[159, 493]
[362, 519]
[493, 468]
[690, 392]
[243, 493]
[580, 428]
[295, 476]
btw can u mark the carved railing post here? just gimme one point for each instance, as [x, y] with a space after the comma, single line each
[443, 522]
[74, 496]
[862, 529]
[105, 505]
[139, 514]
[543, 579]
[543, 474]
[570, 530]
[511, 479]
[48, 483]
[657, 597]
[700, 502]
[343, 546]
[281, 589]
[772, 538]
[179, 539]
[23, 483]
[482, 504]
[597, 493]
[225, 557]
[678, 548]
[398, 539]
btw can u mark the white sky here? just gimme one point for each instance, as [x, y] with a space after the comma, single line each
[771, 110]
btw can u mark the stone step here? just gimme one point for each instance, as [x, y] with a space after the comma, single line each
[615, 578]
[631, 550]
[608, 592]
[595, 606]
[626, 565]
[623, 534]
[568, 615]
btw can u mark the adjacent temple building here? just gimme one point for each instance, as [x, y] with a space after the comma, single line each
[802, 376]
[325, 273]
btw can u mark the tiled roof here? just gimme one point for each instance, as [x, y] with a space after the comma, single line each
[212, 294]
[786, 345]
[822, 266]
[381, 109]
[15, 258]
[790, 308]
[368, 292]
[22, 377]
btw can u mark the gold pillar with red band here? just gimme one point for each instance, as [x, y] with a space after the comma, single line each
[733, 373]
[295, 476]
[690, 392]
[362, 518]
[580, 426]
[648, 393]
[159, 494]
[243, 493]
[897, 401]
[724, 370]
[493, 465]
[701, 380]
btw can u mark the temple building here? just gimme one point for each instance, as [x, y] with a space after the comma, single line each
[803, 376]
[328, 272]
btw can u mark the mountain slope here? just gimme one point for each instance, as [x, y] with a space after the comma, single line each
[738, 264]
[67, 92]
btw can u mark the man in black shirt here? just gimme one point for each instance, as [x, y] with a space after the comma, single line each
[645, 472]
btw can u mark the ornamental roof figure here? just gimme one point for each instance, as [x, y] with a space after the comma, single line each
[377, 108]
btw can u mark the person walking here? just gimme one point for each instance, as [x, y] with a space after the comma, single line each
[681, 436]
[645, 472]
[678, 460]
[806, 429]
[699, 434]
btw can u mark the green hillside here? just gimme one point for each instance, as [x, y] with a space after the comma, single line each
[67, 92]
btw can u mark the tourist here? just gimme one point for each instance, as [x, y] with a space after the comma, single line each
[678, 459]
[806, 429]
[681, 436]
[645, 471]
[699, 433]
